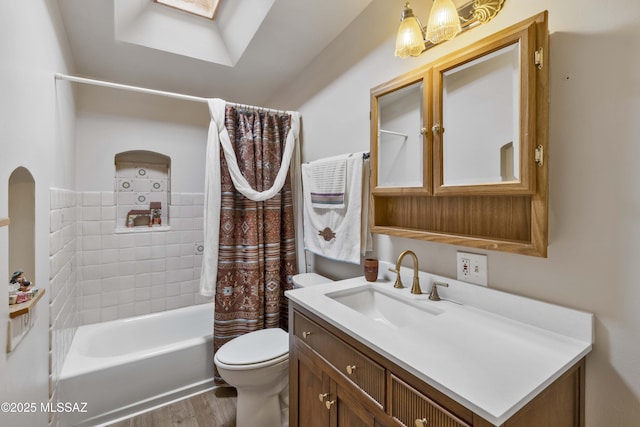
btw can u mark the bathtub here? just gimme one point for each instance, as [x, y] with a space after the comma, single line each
[128, 366]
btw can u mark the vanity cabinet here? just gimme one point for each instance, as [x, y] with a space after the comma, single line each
[336, 380]
[336, 384]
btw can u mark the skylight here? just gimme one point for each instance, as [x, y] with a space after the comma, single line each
[205, 8]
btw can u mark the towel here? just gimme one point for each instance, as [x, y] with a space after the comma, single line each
[339, 233]
[328, 183]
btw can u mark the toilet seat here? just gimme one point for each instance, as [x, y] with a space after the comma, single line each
[256, 349]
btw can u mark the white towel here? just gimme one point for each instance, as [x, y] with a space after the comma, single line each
[328, 183]
[340, 233]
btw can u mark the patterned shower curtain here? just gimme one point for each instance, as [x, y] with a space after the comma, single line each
[257, 253]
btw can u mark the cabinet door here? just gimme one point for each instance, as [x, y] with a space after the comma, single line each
[349, 412]
[314, 390]
[400, 146]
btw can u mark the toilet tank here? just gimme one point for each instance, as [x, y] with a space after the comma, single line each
[309, 279]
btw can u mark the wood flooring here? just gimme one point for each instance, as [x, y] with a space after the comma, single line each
[215, 408]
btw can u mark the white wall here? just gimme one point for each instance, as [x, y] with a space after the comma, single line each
[36, 131]
[112, 121]
[594, 179]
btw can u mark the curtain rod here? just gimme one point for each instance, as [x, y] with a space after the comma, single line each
[103, 83]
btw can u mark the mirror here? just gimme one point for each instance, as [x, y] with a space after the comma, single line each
[400, 150]
[483, 123]
[480, 109]
[400, 146]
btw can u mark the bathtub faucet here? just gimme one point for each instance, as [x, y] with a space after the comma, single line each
[415, 289]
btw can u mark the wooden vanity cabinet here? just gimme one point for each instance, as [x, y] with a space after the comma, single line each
[331, 383]
[337, 381]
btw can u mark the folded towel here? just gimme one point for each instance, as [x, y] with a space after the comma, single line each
[338, 233]
[328, 183]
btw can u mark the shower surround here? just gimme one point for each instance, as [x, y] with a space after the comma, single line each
[99, 274]
[129, 272]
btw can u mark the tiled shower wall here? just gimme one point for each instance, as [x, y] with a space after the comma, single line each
[140, 270]
[97, 274]
[63, 295]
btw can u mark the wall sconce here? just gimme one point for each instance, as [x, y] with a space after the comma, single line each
[445, 22]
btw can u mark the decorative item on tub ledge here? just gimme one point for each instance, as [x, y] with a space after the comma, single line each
[156, 213]
[137, 217]
[445, 22]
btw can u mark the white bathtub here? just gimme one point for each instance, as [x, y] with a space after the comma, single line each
[123, 367]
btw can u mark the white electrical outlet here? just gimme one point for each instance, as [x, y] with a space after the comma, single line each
[472, 268]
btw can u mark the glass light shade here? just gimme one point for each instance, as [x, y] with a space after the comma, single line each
[444, 22]
[410, 41]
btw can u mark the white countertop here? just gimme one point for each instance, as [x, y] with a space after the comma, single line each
[490, 351]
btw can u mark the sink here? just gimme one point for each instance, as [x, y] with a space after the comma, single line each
[383, 307]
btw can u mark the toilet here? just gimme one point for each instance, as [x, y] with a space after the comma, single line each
[257, 365]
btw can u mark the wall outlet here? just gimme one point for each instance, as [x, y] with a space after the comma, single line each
[472, 268]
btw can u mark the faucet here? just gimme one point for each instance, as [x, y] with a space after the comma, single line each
[415, 289]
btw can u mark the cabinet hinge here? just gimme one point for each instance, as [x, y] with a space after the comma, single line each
[538, 58]
[539, 155]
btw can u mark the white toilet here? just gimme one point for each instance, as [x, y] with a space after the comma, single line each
[257, 365]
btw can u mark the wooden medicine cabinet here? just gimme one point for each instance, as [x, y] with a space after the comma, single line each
[471, 169]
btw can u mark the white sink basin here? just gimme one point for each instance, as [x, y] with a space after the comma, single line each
[383, 307]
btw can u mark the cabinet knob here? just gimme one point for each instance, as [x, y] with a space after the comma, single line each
[436, 128]
[329, 404]
[351, 369]
[305, 334]
[421, 422]
[323, 396]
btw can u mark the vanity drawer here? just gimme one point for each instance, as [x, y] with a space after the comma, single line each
[413, 408]
[357, 367]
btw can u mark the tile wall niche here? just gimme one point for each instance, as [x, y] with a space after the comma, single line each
[62, 292]
[130, 272]
[139, 184]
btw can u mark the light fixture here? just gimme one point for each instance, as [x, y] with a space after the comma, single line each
[410, 39]
[445, 22]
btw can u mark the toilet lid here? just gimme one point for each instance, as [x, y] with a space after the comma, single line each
[254, 347]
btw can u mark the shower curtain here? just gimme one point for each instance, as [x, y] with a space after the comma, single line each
[251, 262]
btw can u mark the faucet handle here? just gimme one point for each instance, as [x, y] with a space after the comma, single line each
[433, 296]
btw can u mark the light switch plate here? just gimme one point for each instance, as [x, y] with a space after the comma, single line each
[472, 268]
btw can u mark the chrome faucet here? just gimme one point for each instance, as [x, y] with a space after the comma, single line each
[415, 289]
